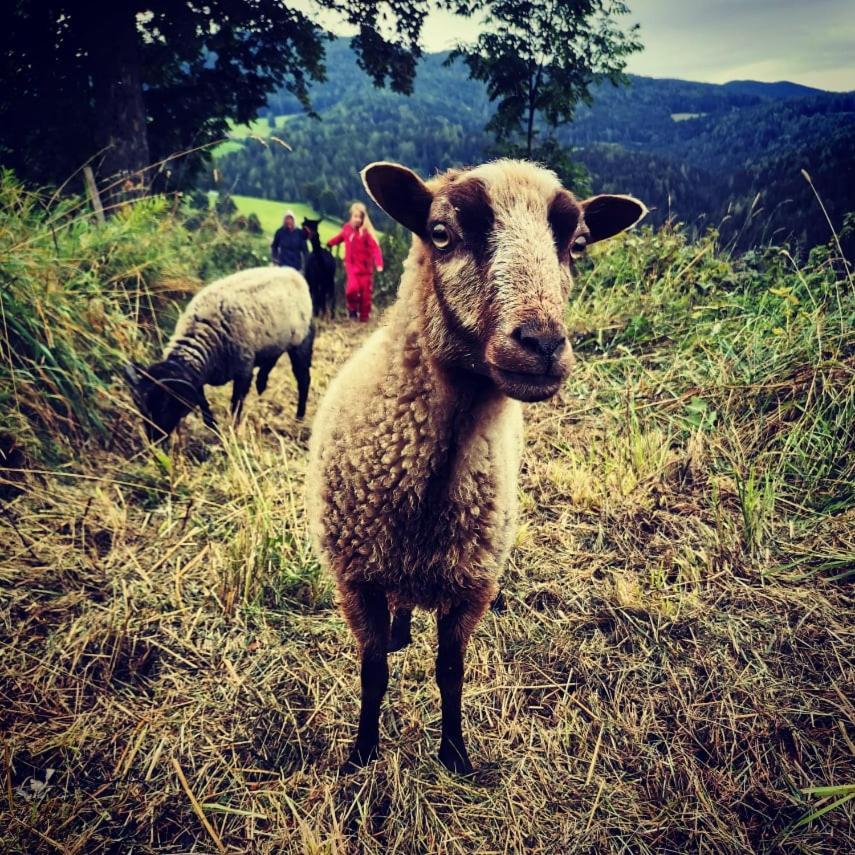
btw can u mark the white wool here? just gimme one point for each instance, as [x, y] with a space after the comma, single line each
[266, 308]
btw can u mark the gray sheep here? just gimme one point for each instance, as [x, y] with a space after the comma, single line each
[231, 326]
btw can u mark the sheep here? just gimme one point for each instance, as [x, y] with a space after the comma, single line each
[320, 271]
[415, 448]
[231, 326]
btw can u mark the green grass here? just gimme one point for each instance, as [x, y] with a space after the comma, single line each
[271, 213]
[257, 127]
[76, 301]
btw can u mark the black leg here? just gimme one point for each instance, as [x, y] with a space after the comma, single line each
[329, 290]
[453, 631]
[322, 298]
[301, 373]
[400, 636]
[301, 361]
[240, 389]
[207, 415]
[264, 369]
[368, 614]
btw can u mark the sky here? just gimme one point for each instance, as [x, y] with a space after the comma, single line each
[805, 41]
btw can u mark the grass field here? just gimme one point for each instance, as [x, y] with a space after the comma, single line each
[685, 117]
[673, 673]
[271, 213]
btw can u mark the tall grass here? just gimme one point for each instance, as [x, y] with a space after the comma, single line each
[754, 357]
[77, 299]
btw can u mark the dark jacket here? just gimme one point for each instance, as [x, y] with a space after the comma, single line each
[289, 248]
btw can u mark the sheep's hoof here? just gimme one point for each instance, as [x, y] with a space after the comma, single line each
[359, 756]
[499, 606]
[399, 638]
[455, 759]
[399, 643]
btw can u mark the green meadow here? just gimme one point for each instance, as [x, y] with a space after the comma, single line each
[271, 213]
[238, 134]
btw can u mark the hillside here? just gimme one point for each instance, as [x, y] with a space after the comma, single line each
[673, 671]
[696, 151]
[270, 213]
[781, 89]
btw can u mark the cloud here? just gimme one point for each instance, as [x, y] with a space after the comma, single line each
[763, 40]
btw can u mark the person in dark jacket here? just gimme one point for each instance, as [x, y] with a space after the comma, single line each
[289, 248]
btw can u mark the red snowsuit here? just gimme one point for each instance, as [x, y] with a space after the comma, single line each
[361, 256]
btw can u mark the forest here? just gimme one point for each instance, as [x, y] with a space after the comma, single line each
[728, 157]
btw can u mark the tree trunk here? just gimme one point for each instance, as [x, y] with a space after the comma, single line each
[532, 101]
[117, 98]
[530, 133]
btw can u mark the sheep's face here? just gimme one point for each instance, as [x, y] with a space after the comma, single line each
[162, 397]
[500, 241]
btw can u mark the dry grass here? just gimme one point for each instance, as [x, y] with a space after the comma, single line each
[175, 676]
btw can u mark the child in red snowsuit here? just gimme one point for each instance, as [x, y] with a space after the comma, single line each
[361, 255]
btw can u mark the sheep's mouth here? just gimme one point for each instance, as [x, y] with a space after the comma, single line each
[526, 386]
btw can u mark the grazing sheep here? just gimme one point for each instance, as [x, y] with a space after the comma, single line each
[320, 271]
[415, 450]
[231, 326]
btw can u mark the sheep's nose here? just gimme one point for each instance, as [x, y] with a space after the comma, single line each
[545, 343]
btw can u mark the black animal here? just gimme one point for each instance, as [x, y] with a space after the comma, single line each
[320, 271]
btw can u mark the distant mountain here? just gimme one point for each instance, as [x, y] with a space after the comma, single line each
[781, 89]
[729, 155]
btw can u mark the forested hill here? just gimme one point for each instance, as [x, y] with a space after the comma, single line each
[700, 152]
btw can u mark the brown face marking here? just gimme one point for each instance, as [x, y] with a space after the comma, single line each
[474, 215]
[565, 216]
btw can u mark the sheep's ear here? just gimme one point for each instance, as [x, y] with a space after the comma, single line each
[134, 374]
[607, 215]
[400, 193]
[131, 375]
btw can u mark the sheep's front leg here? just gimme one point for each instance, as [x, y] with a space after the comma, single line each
[240, 389]
[207, 415]
[367, 612]
[401, 635]
[453, 631]
[331, 296]
[264, 369]
[301, 362]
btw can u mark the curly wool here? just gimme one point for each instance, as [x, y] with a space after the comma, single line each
[262, 311]
[232, 326]
[411, 484]
[416, 448]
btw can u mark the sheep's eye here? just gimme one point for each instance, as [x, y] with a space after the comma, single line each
[580, 244]
[440, 236]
